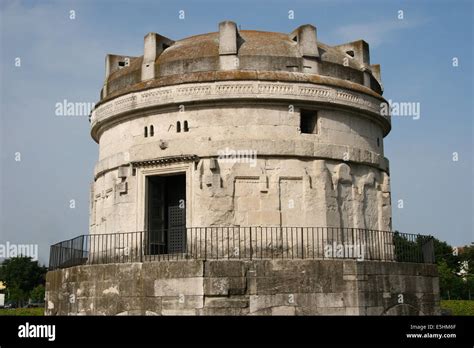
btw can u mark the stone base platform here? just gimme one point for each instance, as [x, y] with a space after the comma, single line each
[250, 287]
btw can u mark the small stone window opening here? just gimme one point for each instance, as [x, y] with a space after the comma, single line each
[185, 126]
[152, 131]
[146, 132]
[350, 53]
[378, 142]
[178, 127]
[309, 121]
[121, 64]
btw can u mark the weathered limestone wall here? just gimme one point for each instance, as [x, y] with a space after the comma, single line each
[269, 192]
[335, 177]
[258, 287]
[215, 127]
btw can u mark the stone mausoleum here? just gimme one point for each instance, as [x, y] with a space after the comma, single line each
[242, 172]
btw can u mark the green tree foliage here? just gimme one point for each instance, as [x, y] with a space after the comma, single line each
[444, 252]
[408, 248]
[449, 282]
[20, 276]
[405, 250]
[453, 285]
[467, 254]
[16, 295]
[37, 294]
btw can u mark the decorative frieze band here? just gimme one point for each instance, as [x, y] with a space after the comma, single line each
[233, 90]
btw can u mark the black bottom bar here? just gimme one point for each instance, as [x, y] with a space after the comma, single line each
[289, 331]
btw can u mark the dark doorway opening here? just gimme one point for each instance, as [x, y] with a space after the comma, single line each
[166, 214]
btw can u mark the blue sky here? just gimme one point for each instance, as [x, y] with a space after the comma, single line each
[64, 59]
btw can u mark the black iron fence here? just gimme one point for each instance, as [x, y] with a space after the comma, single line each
[242, 243]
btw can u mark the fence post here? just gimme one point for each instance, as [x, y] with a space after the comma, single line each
[60, 254]
[205, 243]
[142, 241]
[251, 249]
[302, 243]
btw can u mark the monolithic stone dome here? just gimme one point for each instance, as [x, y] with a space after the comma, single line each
[257, 51]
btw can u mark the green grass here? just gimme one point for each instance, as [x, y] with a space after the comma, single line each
[458, 307]
[22, 311]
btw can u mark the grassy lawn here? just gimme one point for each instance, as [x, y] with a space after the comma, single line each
[458, 307]
[22, 311]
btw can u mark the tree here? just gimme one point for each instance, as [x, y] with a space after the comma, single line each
[16, 295]
[408, 248]
[453, 284]
[405, 250]
[444, 251]
[37, 294]
[449, 282]
[466, 256]
[20, 276]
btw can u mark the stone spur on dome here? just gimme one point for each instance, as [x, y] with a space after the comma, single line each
[242, 172]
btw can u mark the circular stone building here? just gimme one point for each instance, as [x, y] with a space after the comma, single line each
[256, 160]
[250, 128]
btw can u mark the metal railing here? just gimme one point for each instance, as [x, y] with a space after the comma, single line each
[243, 243]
